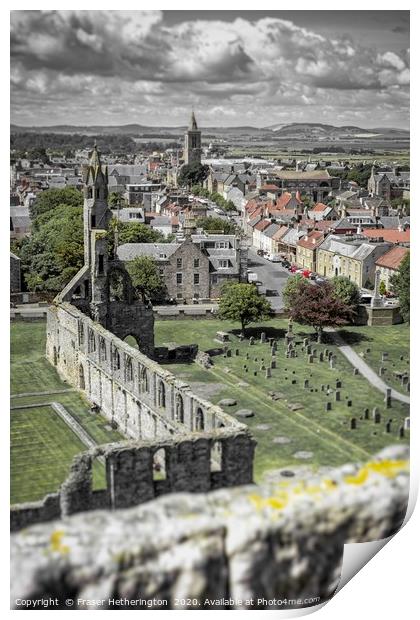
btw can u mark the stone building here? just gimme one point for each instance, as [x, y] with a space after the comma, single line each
[316, 184]
[195, 444]
[306, 249]
[192, 143]
[389, 263]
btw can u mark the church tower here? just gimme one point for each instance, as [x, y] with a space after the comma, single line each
[96, 214]
[192, 143]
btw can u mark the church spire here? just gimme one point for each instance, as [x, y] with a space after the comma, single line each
[193, 123]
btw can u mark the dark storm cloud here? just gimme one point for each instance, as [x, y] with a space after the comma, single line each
[237, 66]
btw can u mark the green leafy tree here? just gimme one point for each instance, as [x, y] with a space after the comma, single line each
[382, 288]
[146, 278]
[216, 224]
[400, 283]
[51, 198]
[192, 174]
[115, 199]
[292, 288]
[346, 290]
[243, 303]
[319, 307]
[54, 252]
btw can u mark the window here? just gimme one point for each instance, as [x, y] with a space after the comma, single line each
[161, 395]
[196, 263]
[101, 264]
[223, 264]
[161, 271]
[179, 295]
[179, 263]
[92, 221]
[196, 278]
[179, 278]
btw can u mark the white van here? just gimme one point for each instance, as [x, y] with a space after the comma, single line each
[274, 258]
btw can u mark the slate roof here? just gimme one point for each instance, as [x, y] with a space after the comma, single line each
[313, 174]
[271, 230]
[129, 251]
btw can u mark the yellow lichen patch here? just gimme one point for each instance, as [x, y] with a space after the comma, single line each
[388, 468]
[329, 485]
[360, 478]
[56, 542]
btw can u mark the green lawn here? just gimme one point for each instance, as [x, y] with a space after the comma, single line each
[312, 429]
[40, 433]
[394, 339]
[42, 449]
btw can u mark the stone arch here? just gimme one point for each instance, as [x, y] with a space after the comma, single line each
[199, 419]
[116, 360]
[144, 379]
[159, 464]
[161, 394]
[102, 349]
[216, 456]
[82, 383]
[128, 368]
[179, 409]
[118, 285]
[92, 341]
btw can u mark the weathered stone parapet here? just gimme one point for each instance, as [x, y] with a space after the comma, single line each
[280, 540]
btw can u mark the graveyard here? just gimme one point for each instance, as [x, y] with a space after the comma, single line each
[301, 411]
[305, 410]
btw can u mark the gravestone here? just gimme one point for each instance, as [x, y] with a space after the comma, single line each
[384, 356]
[262, 366]
[349, 403]
[273, 364]
[274, 346]
[293, 381]
[368, 350]
[401, 358]
[263, 337]
[322, 388]
[255, 373]
[407, 387]
[328, 406]
[247, 356]
[366, 414]
[228, 353]
[407, 423]
[381, 371]
[321, 357]
[310, 359]
[337, 395]
[268, 373]
[376, 416]
[387, 398]
[306, 383]
[236, 351]
[401, 432]
[338, 383]
[251, 340]
[332, 362]
[353, 424]
[355, 371]
[244, 413]
[241, 337]
[388, 427]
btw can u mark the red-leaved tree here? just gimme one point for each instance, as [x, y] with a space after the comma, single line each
[318, 307]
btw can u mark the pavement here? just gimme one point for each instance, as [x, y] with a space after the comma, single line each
[272, 275]
[366, 370]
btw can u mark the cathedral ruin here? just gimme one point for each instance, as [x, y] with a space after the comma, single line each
[198, 447]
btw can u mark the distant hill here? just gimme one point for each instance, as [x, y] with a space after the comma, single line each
[131, 130]
[319, 130]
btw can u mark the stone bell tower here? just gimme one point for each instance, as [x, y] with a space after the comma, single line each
[192, 143]
[96, 214]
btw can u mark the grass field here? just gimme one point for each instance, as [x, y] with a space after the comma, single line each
[327, 435]
[42, 445]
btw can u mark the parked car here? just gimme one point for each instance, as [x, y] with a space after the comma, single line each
[319, 280]
[274, 258]
[260, 253]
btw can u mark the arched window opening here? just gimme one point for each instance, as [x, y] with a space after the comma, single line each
[144, 379]
[159, 464]
[199, 420]
[179, 409]
[102, 349]
[128, 369]
[161, 395]
[92, 341]
[216, 456]
[82, 384]
[116, 360]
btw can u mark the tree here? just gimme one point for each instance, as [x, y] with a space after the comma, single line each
[382, 288]
[346, 290]
[400, 283]
[216, 224]
[319, 307]
[243, 303]
[292, 288]
[54, 252]
[146, 278]
[192, 174]
[115, 199]
[52, 198]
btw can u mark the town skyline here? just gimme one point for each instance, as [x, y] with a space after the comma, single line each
[253, 68]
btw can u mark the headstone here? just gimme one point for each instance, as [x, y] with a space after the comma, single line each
[368, 350]
[401, 358]
[328, 406]
[251, 340]
[338, 384]
[273, 364]
[228, 353]
[366, 414]
[332, 362]
[308, 349]
[322, 387]
[244, 413]
[337, 395]
[241, 337]
[236, 351]
[353, 424]
[349, 403]
[384, 356]
[294, 381]
[268, 373]
[274, 345]
[306, 383]
[407, 423]
[255, 373]
[273, 351]
[407, 387]
[388, 398]
[263, 337]
[262, 366]
[310, 359]
[321, 357]
[355, 371]
[247, 356]
[305, 342]
[381, 371]
[326, 352]
[401, 432]
[376, 416]
[388, 427]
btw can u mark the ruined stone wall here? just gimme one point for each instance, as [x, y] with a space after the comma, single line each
[216, 550]
[144, 400]
[137, 472]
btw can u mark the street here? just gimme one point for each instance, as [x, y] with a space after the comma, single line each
[272, 275]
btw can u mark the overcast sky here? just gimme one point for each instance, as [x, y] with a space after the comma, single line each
[235, 68]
